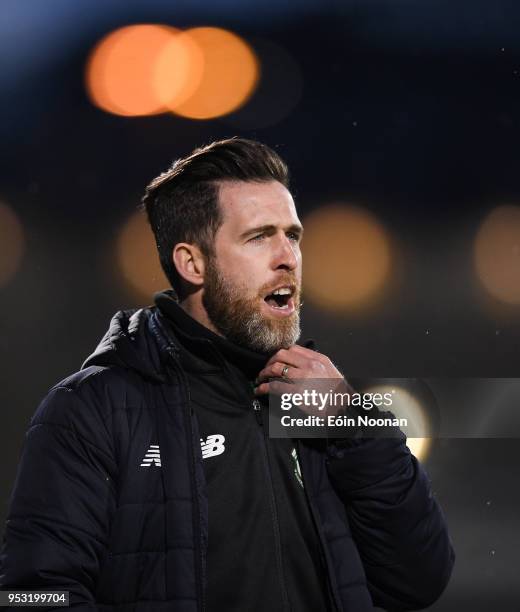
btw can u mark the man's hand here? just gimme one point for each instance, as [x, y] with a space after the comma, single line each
[295, 363]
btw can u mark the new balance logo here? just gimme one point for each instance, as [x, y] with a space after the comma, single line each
[152, 457]
[213, 446]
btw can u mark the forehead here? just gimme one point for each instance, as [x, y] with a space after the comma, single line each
[253, 204]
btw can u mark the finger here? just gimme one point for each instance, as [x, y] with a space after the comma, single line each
[262, 389]
[269, 371]
[276, 387]
[306, 352]
[288, 356]
[275, 370]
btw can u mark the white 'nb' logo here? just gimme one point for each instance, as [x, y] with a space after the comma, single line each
[213, 446]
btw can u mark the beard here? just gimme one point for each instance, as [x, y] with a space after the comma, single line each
[239, 318]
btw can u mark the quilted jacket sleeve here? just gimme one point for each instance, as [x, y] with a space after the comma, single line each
[396, 522]
[58, 520]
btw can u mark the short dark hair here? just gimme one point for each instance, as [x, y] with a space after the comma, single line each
[182, 204]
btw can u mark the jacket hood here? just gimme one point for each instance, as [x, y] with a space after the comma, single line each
[134, 340]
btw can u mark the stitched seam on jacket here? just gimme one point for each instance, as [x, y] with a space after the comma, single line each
[136, 601]
[150, 552]
[86, 404]
[35, 517]
[340, 537]
[354, 583]
[158, 501]
[73, 431]
[76, 391]
[405, 561]
[320, 492]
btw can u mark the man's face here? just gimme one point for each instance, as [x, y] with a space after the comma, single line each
[252, 285]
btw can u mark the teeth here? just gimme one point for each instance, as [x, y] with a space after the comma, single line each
[282, 291]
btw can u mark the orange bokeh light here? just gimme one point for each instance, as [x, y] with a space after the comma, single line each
[178, 70]
[12, 244]
[138, 259]
[346, 257]
[406, 405]
[497, 254]
[146, 69]
[121, 70]
[229, 75]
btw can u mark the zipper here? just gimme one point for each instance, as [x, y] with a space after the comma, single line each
[321, 538]
[199, 566]
[257, 408]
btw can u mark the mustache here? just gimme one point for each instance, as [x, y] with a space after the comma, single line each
[290, 281]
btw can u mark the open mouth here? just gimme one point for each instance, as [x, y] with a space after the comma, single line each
[281, 299]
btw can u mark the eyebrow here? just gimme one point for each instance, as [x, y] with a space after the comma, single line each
[297, 229]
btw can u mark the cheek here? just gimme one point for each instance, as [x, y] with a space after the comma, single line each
[299, 266]
[247, 271]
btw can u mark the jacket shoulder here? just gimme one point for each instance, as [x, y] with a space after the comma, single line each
[90, 402]
[96, 377]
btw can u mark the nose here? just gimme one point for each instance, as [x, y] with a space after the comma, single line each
[287, 255]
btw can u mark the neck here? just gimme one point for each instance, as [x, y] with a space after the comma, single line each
[193, 306]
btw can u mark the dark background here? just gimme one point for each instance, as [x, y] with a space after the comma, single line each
[410, 110]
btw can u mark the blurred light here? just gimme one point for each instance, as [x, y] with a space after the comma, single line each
[121, 73]
[138, 259]
[147, 69]
[178, 70]
[229, 76]
[278, 92]
[346, 257]
[419, 447]
[497, 254]
[406, 406]
[12, 244]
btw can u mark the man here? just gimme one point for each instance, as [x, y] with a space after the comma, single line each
[148, 480]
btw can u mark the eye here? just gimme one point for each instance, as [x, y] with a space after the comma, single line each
[257, 238]
[293, 236]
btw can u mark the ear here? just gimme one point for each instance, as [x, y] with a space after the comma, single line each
[189, 261]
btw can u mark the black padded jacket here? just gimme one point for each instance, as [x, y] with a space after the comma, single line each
[83, 516]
